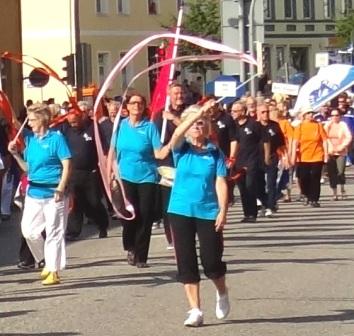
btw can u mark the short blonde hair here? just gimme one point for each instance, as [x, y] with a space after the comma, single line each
[192, 110]
[41, 111]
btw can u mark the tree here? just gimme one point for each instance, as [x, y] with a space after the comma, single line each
[202, 19]
[345, 28]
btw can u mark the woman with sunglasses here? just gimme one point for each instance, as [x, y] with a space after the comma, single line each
[339, 138]
[198, 206]
[137, 146]
[310, 152]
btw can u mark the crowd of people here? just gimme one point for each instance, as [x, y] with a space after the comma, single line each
[186, 179]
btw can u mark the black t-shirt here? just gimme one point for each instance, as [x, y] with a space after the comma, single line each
[276, 137]
[170, 128]
[82, 145]
[106, 129]
[225, 129]
[250, 136]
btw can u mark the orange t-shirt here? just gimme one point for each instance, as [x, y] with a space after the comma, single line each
[287, 130]
[310, 136]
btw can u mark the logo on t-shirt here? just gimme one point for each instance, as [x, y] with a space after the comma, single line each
[248, 131]
[87, 137]
[220, 124]
[271, 132]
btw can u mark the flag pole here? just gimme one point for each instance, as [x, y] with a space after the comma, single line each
[172, 67]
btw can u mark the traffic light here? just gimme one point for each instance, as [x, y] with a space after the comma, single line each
[69, 69]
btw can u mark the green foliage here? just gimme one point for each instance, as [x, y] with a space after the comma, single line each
[345, 27]
[202, 19]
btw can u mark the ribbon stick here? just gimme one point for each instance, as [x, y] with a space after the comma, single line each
[172, 69]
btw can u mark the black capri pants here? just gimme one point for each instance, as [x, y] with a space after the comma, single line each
[211, 246]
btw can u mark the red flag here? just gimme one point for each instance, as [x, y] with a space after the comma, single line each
[7, 111]
[160, 91]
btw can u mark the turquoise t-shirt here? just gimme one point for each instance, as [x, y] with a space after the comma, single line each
[43, 156]
[135, 147]
[193, 193]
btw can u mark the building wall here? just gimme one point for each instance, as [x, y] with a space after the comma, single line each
[10, 40]
[114, 33]
[47, 34]
[289, 35]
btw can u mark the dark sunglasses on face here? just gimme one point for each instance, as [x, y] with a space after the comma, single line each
[199, 123]
[136, 103]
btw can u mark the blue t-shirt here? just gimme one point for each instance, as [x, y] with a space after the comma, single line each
[43, 156]
[193, 192]
[135, 147]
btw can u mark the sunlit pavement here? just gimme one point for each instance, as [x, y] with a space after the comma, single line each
[288, 275]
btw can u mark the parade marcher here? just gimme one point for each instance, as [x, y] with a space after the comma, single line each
[251, 106]
[84, 184]
[223, 133]
[177, 98]
[250, 138]
[270, 171]
[339, 138]
[47, 161]
[285, 178]
[198, 206]
[106, 125]
[310, 147]
[137, 144]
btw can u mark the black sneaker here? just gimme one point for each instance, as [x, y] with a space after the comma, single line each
[249, 219]
[315, 204]
[103, 233]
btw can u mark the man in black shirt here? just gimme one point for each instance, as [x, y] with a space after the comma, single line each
[84, 181]
[224, 135]
[249, 139]
[270, 171]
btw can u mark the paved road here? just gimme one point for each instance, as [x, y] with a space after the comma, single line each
[290, 275]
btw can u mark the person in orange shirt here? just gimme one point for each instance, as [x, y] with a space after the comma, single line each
[279, 114]
[339, 138]
[310, 143]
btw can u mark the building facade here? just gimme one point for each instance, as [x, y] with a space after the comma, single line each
[10, 40]
[109, 28]
[100, 32]
[293, 32]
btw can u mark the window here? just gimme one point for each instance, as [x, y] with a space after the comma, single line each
[290, 27]
[290, 9]
[299, 59]
[269, 28]
[309, 27]
[127, 72]
[347, 6]
[329, 9]
[330, 27]
[123, 7]
[269, 9]
[280, 58]
[103, 66]
[102, 6]
[309, 9]
[153, 7]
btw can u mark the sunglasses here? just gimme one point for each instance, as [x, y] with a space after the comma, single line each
[263, 112]
[199, 123]
[335, 115]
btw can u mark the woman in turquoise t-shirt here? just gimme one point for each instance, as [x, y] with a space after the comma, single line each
[198, 206]
[137, 146]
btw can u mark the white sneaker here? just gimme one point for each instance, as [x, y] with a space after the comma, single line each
[194, 319]
[222, 305]
[268, 213]
[261, 212]
[169, 247]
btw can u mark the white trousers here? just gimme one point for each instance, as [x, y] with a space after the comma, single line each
[51, 216]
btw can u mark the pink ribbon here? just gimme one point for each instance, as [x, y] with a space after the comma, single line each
[106, 163]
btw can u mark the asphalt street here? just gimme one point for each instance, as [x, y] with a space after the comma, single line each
[288, 275]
